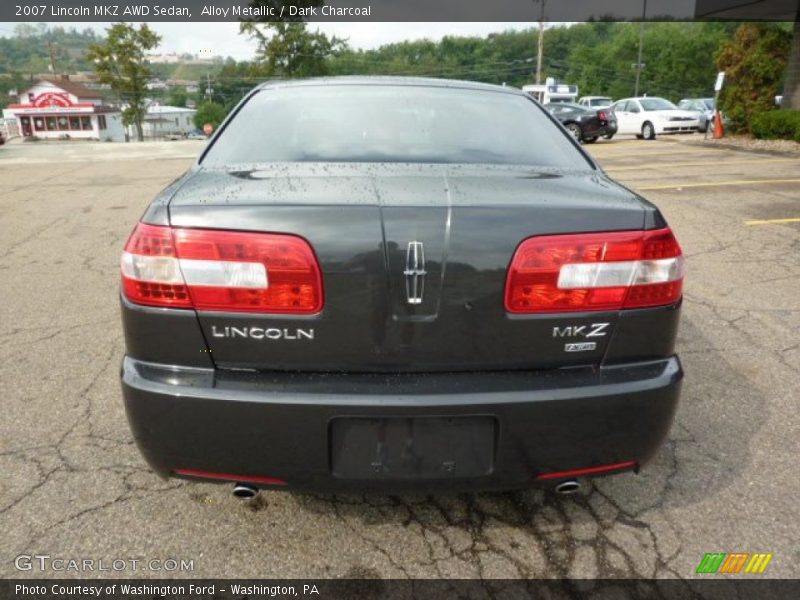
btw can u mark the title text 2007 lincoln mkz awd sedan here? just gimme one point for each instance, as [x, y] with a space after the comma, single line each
[389, 284]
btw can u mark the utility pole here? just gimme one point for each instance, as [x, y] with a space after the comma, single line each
[52, 58]
[209, 91]
[641, 43]
[540, 49]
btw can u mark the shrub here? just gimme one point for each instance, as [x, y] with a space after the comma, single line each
[777, 125]
[754, 61]
[209, 112]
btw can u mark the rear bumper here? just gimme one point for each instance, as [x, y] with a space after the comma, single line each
[608, 129]
[278, 425]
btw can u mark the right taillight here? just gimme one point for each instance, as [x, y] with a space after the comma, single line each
[218, 270]
[595, 271]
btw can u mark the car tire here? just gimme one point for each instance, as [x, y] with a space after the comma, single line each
[575, 131]
[648, 131]
[608, 136]
[590, 140]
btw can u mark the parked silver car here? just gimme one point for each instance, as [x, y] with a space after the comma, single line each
[705, 109]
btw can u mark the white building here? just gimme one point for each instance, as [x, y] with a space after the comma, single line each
[156, 84]
[63, 109]
[162, 120]
[170, 58]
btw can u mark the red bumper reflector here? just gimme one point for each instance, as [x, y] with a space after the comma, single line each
[623, 466]
[229, 477]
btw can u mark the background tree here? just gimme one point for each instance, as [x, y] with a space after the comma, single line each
[291, 50]
[120, 62]
[234, 80]
[26, 51]
[177, 97]
[791, 88]
[209, 112]
[754, 62]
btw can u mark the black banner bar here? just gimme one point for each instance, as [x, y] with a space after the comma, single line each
[710, 586]
[392, 10]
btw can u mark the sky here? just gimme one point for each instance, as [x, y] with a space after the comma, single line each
[223, 39]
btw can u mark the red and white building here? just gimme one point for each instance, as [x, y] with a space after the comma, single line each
[64, 109]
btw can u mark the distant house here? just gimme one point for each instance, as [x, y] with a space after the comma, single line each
[162, 120]
[156, 84]
[58, 108]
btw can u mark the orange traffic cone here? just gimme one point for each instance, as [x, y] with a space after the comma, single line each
[719, 129]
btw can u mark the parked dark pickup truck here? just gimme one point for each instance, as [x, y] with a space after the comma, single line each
[398, 284]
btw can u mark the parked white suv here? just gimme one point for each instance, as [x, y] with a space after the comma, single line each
[647, 117]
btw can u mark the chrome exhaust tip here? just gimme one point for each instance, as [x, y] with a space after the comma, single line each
[244, 491]
[565, 488]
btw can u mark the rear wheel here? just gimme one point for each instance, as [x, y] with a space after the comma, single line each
[590, 140]
[648, 131]
[575, 131]
[608, 136]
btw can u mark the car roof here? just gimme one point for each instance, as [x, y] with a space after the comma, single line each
[642, 98]
[388, 80]
[570, 104]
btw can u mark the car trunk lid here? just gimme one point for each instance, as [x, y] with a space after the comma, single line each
[414, 261]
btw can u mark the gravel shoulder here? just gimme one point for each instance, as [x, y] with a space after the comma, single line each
[746, 143]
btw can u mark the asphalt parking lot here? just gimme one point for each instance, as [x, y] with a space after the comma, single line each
[75, 486]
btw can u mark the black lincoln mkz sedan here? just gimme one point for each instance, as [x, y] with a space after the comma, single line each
[357, 287]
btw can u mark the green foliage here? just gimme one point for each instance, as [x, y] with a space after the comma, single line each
[184, 71]
[777, 125]
[595, 56]
[291, 50]
[8, 82]
[754, 61]
[209, 112]
[177, 97]
[120, 62]
[233, 81]
[28, 52]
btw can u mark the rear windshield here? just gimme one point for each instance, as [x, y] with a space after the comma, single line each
[384, 123]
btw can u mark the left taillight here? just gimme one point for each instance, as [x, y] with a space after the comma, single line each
[218, 270]
[595, 271]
